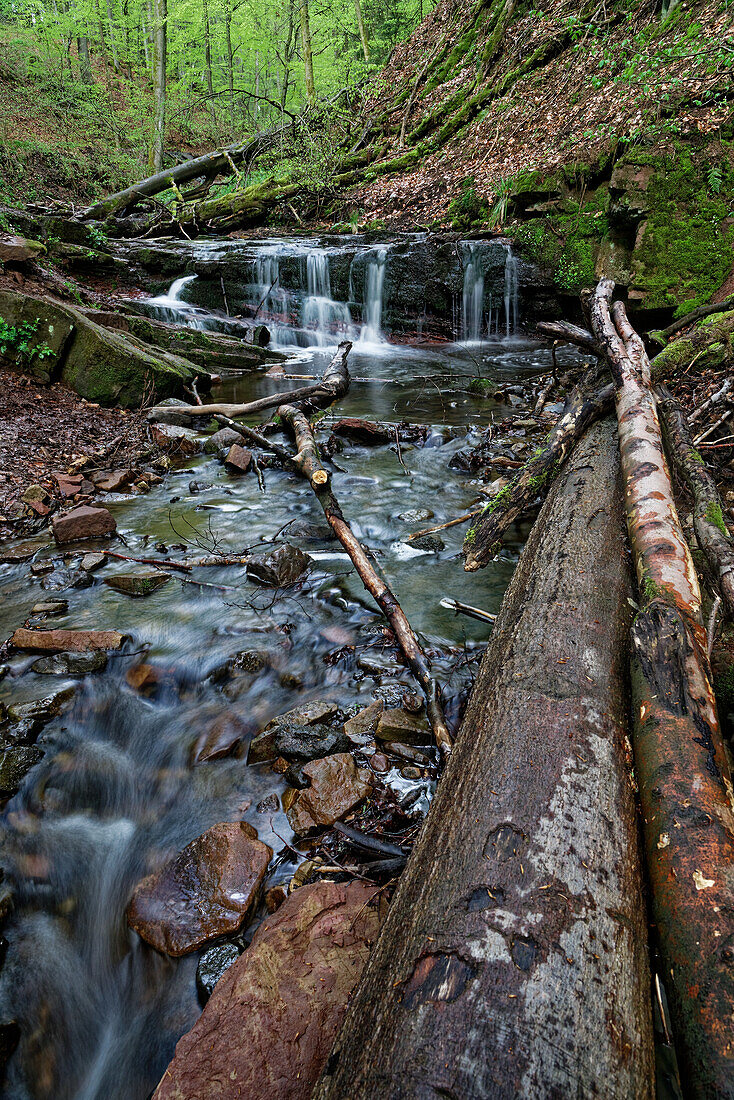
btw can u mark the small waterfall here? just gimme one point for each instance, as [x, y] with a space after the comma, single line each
[512, 292]
[374, 281]
[473, 296]
[324, 320]
[172, 307]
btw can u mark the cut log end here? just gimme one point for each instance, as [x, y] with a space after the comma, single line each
[320, 477]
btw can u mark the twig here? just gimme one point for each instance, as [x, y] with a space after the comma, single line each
[443, 526]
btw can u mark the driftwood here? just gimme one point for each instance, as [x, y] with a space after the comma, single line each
[708, 518]
[682, 767]
[308, 464]
[513, 960]
[485, 538]
[333, 385]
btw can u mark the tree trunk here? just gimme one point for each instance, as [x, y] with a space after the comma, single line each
[113, 41]
[362, 30]
[160, 33]
[682, 767]
[307, 52]
[85, 67]
[513, 961]
[208, 59]
[230, 62]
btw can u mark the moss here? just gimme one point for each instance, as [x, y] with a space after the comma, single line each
[685, 249]
[715, 515]
[566, 244]
[468, 209]
[649, 590]
[482, 387]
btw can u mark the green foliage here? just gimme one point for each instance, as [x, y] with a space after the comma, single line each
[468, 209]
[17, 341]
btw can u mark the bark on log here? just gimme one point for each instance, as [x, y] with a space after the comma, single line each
[682, 766]
[570, 334]
[308, 464]
[484, 539]
[708, 517]
[210, 165]
[513, 960]
[333, 385]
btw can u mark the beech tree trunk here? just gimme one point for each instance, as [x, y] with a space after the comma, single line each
[160, 38]
[682, 767]
[362, 30]
[307, 52]
[85, 67]
[513, 961]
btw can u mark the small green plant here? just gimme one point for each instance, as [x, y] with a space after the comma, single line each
[98, 238]
[18, 341]
[468, 209]
[715, 180]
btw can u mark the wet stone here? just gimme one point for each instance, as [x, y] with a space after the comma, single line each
[15, 763]
[400, 725]
[222, 737]
[41, 568]
[113, 481]
[42, 710]
[83, 523]
[416, 515]
[238, 459]
[212, 965]
[430, 543]
[269, 805]
[336, 786]
[179, 441]
[56, 641]
[137, 585]
[205, 892]
[90, 563]
[279, 568]
[199, 486]
[70, 664]
[363, 726]
[51, 607]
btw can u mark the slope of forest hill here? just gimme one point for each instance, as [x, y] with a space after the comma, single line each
[597, 134]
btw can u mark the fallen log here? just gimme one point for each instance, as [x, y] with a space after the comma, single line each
[566, 333]
[513, 961]
[681, 764]
[333, 385]
[210, 165]
[484, 539]
[307, 462]
[694, 315]
[708, 517]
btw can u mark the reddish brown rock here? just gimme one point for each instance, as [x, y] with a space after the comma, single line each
[83, 523]
[69, 484]
[175, 441]
[238, 459]
[114, 481]
[220, 739]
[401, 725]
[269, 1025]
[60, 641]
[336, 785]
[205, 892]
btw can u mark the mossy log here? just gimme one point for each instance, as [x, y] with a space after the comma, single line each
[710, 344]
[513, 961]
[708, 517]
[484, 539]
[681, 763]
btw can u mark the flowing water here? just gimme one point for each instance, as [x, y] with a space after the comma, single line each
[115, 794]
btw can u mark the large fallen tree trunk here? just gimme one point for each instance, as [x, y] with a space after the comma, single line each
[307, 462]
[682, 766]
[513, 962]
[221, 161]
[333, 385]
[484, 539]
[708, 516]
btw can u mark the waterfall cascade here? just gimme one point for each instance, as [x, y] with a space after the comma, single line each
[374, 282]
[512, 292]
[480, 318]
[473, 296]
[172, 307]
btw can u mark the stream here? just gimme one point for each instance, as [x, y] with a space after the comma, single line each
[115, 795]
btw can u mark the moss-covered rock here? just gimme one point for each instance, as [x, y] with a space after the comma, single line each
[108, 367]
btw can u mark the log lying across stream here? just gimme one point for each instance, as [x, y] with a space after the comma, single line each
[513, 961]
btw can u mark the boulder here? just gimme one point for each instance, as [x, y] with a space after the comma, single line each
[70, 664]
[336, 786]
[205, 892]
[138, 585]
[225, 437]
[278, 568]
[401, 725]
[15, 762]
[57, 641]
[18, 250]
[431, 544]
[220, 739]
[83, 523]
[238, 459]
[111, 368]
[268, 1027]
